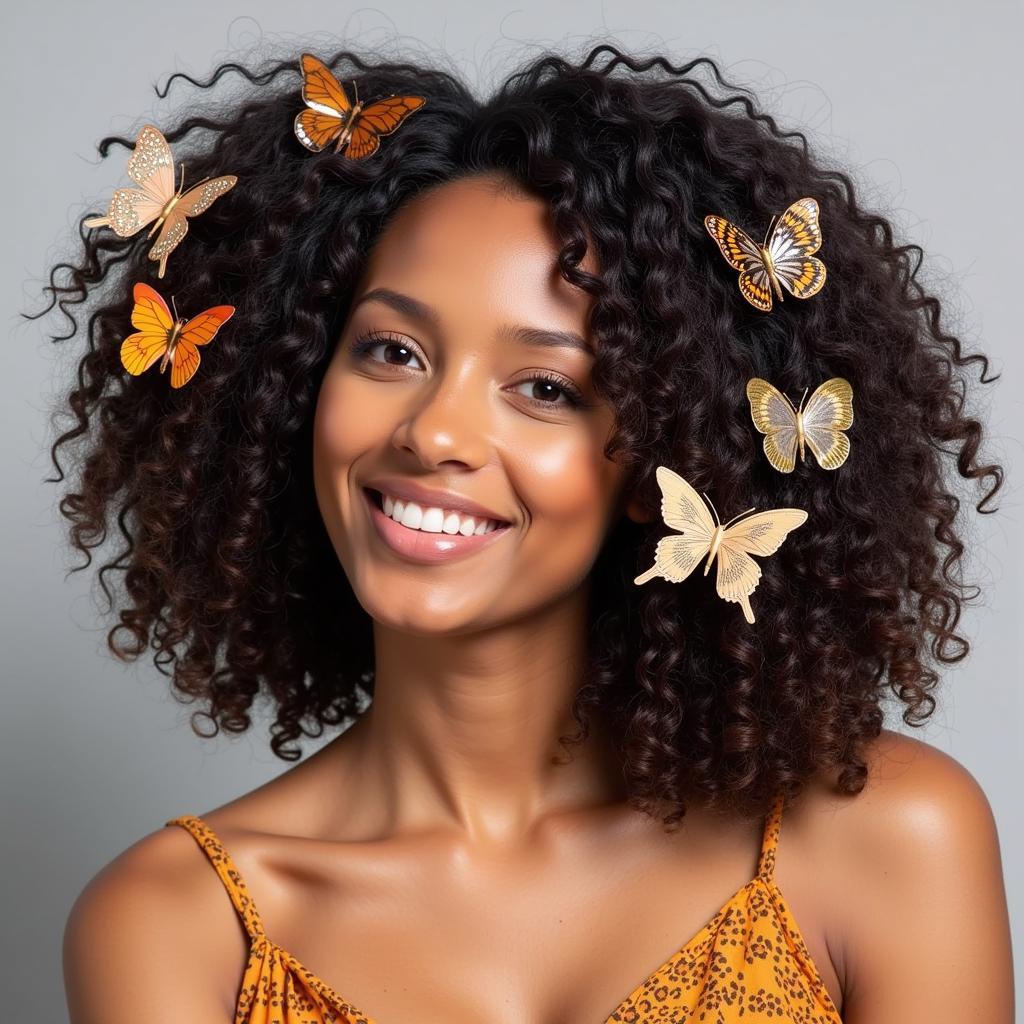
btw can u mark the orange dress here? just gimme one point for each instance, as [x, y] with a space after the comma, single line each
[748, 964]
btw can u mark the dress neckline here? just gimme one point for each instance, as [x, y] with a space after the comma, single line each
[763, 879]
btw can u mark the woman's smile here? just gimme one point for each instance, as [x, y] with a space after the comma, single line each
[425, 546]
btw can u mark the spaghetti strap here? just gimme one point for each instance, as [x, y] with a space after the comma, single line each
[225, 868]
[770, 839]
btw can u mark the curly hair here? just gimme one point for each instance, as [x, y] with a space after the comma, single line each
[228, 572]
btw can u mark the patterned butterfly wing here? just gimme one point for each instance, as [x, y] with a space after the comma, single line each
[316, 131]
[191, 204]
[744, 255]
[152, 167]
[683, 510]
[760, 534]
[796, 236]
[153, 322]
[380, 118]
[773, 414]
[200, 330]
[829, 412]
[327, 107]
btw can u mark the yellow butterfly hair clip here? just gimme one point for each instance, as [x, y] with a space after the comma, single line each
[738, 574]
[784, 256]
[330, 116]
[159, 334]
[820, 423]
[151, 166]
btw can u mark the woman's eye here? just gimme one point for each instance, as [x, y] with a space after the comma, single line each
[364, 344]
[541, 382]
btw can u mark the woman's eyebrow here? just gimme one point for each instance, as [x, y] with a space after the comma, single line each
[416, 309]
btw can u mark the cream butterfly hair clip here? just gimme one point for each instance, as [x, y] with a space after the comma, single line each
[819, 424]
[785, 255]
[151, 166]
[738, 574]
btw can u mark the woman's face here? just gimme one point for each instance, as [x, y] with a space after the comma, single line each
[447, 397]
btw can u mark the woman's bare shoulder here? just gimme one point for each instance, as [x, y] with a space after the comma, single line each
[148, 918]
[917, 906]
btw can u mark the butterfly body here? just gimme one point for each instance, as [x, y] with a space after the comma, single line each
[331, 117]
[784, 258]
[731, 543]
[151, 166]
[160, 335]
[818, 425]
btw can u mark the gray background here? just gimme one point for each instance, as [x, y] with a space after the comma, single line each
[919, 100]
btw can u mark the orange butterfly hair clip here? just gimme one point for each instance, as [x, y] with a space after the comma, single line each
[151, 166]
[161, 335]
[331, 117]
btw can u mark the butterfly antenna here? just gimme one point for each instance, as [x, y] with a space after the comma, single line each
[768, 233]
[713, 509]
[355, 89]
[175, 308]
[803, 396]
[734, 518]
[181, 187]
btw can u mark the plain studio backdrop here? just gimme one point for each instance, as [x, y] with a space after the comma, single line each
[919, 101]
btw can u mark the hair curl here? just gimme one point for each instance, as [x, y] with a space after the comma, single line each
[227, 569]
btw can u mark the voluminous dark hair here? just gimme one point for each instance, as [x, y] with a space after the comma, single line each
[228, 573]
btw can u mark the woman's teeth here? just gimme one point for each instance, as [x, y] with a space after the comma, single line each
[434, 520]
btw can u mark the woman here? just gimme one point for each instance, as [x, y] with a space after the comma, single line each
[412, 488]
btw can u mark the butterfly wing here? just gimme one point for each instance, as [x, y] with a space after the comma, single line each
[321, 90]
[315, 130]
[828, 412]
[200, 330]
[380, 118]
[197, 199]
[796, 236]
[773, 414]
[760, 534]
[744, 255]
[683, 510]
[153, 322]
[327, 107]
[152, 167]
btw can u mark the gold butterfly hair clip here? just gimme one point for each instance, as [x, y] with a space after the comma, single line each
[330, 116]
[820, 423]
[738, 574]
[151, 166]
[785, 255]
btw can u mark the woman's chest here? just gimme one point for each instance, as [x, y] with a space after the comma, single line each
[556, 933]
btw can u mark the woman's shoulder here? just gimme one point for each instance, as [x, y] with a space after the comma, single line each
[150, 916]
[912, 872]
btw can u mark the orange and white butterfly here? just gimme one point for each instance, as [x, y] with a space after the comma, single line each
[738, 574]
[820, 423]
[785, 256]
[161, 334]
[151, 166]
[330, 116]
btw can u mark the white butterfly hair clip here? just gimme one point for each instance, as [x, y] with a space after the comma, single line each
[738, 574]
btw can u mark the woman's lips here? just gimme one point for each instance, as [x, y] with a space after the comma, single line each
[420, 546]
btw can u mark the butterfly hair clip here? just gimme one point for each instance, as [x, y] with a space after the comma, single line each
[330, 116]
[162, 335]
[785, 256]
[151, 166]
[820, 423]
[738, 574]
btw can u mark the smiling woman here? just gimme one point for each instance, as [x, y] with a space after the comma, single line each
[409, 491]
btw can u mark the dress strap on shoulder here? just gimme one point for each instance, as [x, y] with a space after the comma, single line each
[770, 839]
[225, 868]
